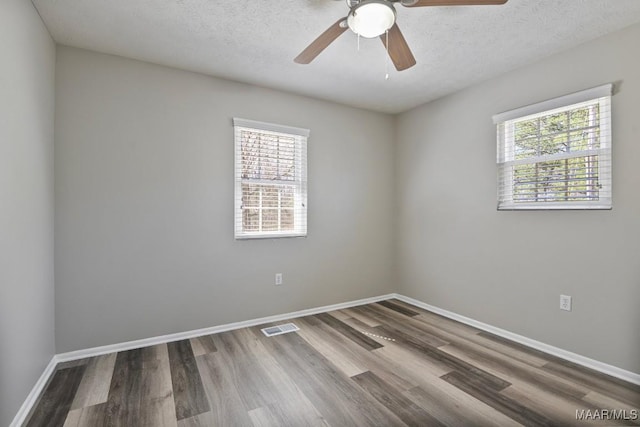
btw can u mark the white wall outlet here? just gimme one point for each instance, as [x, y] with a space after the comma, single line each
[565, 302]
[278, 279]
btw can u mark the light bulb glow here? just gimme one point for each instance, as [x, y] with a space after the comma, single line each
[371, 18]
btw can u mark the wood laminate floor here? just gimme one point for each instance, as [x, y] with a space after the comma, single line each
[381, 364]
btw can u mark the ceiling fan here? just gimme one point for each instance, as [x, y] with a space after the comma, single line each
[377, 18]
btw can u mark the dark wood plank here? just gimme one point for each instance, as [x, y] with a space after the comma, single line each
[391, 304]
[489, 380]
[385, 363]
[515, 370]
[56, 401]
[438, 319]
[346, 330]
[521, 347]
[123, 406]
[410, 413]
[188, 392]
[510, 408]
[605, 384]
[557, 408]
[140, 393]
[394, 320]
[72, 363]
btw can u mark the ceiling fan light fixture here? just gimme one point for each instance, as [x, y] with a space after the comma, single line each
[371, 18]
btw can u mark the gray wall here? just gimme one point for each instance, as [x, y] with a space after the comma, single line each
[26, 202]
[509, 268]
[144, 203]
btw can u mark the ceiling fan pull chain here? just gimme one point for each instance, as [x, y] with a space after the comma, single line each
[386, 62]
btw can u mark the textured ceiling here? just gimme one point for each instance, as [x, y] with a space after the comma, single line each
[255, 41]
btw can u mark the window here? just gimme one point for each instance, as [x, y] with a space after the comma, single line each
[270, 180]
[556, 154]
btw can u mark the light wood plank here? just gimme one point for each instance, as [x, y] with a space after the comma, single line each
[157, 383]
[94, 387]
[224, 400]
[339, 314]
[385, 363]
[352, 314]
[205, 419]
[600, 400]
[203, 345]
[457, 403]
[343, 349]
[342, 404]
[88, 416]
[329, 348]
[263, 417]
[405, 409]
[558, 408]
[400, 360]
[292, 406]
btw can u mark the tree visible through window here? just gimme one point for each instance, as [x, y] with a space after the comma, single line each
[559, 158]
[270, 182]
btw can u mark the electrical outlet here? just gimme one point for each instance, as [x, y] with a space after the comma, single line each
[565, 302]
[278, 279]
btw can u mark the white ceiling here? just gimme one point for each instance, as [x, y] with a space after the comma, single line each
[255, 41]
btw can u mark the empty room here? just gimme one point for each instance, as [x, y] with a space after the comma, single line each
[319, 213]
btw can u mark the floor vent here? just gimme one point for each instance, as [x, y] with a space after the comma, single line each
[280, 329]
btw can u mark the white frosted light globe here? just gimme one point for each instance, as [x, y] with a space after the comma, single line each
[371, 19]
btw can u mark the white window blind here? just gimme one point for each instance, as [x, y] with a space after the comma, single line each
[556, 154]
[270, 180]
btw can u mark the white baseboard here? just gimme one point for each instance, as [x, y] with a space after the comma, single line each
[596, 365]
[129, 345]
[32, 398]
[34, 394]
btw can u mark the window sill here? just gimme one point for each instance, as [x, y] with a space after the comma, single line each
[268, 236]
[554, 207]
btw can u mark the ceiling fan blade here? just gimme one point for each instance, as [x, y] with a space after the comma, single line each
[421, 3]
[321, 43]
[398, 49]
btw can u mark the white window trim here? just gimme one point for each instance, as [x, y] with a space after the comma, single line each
[505, 165]
[272, 127]
[300, 196]
[552, 104]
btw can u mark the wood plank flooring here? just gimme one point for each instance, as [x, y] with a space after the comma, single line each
[381, 364]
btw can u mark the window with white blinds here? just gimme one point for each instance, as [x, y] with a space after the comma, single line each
[270, 180]
[556, 154]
